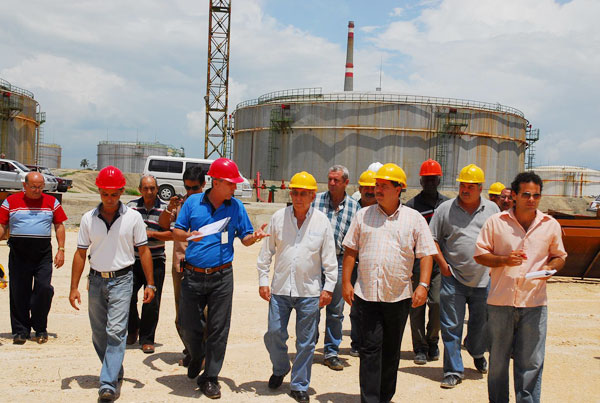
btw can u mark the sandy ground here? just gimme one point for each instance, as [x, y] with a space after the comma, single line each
[67, 368]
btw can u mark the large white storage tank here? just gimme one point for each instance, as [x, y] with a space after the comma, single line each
[569, 181]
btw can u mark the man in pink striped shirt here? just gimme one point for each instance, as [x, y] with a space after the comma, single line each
[514, 243]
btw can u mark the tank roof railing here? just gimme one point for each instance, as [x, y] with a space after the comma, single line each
[5, 85]
[315, 94]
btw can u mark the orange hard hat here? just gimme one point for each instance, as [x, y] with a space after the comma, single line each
[431, 168]
[224, 168]
[110, 178]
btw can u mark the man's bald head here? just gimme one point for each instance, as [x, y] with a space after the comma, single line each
[34, 177]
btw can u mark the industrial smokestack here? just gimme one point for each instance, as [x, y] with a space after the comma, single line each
[349, 79]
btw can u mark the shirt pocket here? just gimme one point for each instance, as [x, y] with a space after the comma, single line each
[314, 240]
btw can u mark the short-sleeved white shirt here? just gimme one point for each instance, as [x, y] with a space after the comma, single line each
[111, 248]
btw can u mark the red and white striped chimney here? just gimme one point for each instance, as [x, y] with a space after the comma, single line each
[349, 79]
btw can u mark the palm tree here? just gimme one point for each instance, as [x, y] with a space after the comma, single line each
[84, 163]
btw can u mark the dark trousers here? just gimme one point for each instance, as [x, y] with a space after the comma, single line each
[29, 306]
[198, 291]
[354, 321]
[423, 337]
[381, 328]
[148, 322]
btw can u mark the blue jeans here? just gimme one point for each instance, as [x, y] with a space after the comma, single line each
[307, 311]
[525, 329]
[108, 309]
[454, 296]
[334, 315]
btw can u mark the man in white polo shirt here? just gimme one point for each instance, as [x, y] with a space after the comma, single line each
[110, 232]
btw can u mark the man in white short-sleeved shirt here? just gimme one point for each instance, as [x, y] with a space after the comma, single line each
[110, 232]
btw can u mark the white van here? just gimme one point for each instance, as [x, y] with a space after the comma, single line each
[168, 172]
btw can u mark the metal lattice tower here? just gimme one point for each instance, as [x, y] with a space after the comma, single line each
[531, 136]
[217, 79]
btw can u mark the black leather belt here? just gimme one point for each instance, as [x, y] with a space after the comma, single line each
[110, 274]
[209, 270]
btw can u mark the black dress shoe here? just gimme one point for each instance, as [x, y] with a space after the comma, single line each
[481, 365]
[299, 395]
[210, 389]
[106, 395]
[19, 339]
[275, 381]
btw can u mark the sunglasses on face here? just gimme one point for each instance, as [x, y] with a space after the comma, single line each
[527, 195]
[194, 188]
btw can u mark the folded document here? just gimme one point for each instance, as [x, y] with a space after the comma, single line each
[212, 228]
[539, 274]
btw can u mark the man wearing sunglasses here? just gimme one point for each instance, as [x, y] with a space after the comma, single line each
[193, 182]
[514, 243]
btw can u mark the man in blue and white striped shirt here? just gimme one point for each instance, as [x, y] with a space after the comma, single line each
[339, 208]
[150, 207]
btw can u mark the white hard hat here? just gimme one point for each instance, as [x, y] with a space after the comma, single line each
[375, 166]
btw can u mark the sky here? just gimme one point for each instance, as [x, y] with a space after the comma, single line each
[136, 70]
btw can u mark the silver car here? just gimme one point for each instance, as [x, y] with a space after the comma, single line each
[12, 176]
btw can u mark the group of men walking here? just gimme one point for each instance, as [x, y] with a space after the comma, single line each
[427, 260]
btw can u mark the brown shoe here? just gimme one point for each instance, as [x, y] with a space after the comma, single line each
[41, 337]
[148, 348]
[132, 338]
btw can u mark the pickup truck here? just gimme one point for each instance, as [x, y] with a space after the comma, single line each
[12, 176]
[63, 183]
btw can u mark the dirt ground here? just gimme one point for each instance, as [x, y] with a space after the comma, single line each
[67, 368]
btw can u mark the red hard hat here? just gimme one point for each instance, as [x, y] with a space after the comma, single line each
[431, 168]
[110, 178]
[224, 168]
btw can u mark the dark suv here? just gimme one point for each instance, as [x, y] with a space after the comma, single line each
[63, 184]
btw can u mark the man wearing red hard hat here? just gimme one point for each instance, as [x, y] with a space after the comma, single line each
[425, 338]
[207, 271]
[109, 234]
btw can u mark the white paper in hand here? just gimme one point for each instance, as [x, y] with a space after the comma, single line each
[212, 228]
[539, 274]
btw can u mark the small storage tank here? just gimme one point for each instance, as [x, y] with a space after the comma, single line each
[569, 181]
[50, 155]
[131, 156]
[20, 118]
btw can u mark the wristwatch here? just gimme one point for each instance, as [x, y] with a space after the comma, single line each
[424, 285]
[152, 287]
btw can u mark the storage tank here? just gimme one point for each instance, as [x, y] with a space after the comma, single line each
[285, 132]
[50, 155]
[20, 118]
[131, 156]
[569, 181]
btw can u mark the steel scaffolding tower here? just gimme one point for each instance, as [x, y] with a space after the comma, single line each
[217, 79]
[531, 136]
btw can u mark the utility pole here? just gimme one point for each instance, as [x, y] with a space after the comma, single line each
[217, 79]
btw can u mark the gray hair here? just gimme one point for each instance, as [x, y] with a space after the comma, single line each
[343, 169]
[148, 176]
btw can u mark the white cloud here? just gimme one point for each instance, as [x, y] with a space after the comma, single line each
[397, 12]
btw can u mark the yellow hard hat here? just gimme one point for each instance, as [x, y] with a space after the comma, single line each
[471, 174]
[303, 180]
[496, 188]
[391, 172]
[367, 178]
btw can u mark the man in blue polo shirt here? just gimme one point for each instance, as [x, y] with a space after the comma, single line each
[208, 274]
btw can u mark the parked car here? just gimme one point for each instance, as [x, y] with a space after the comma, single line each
[12, 176]
[168, 172]
[63, 183]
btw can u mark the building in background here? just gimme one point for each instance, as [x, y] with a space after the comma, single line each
[50, 155]
[131, 156]
[569, 181]
[304, 129]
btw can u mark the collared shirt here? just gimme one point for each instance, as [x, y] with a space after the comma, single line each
[31, 218]
[456, 232]
[111, 244]
[503, 234]
[387, 247]
[157, 247]
[197, 212]
[339, 218]
[299, 254]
